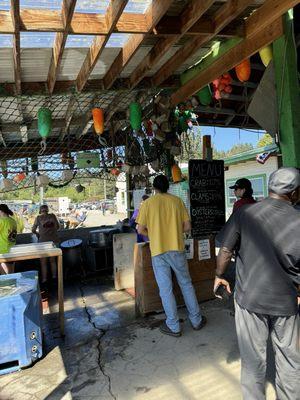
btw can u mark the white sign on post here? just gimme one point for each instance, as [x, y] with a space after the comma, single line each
[189, 248]
[204, 249]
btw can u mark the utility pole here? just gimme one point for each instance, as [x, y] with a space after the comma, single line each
[104, 186]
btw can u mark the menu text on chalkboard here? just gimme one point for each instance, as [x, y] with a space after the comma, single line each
[207, 197]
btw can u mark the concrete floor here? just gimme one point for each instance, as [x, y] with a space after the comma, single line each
[109, 354]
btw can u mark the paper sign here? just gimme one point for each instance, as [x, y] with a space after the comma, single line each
[189, 248]
[204, 249]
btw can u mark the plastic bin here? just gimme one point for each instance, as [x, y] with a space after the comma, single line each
[20, 321]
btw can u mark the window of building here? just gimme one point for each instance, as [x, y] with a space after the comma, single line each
[258, 184]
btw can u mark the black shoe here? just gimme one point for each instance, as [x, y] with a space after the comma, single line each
[201, 325]
[167, 331]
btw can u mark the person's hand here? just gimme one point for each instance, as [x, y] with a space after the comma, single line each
[220, 281]
[298, 298]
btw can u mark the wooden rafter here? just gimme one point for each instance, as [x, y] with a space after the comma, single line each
[112, 16]
[15, 16]
[245, 49]
[152, 17]
[192, 12]
[227, 13]
[67, 11]
[34, 20]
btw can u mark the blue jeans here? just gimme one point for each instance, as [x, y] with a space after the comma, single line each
[162, 265]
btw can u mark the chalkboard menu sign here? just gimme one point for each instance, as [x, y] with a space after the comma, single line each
[207, 197]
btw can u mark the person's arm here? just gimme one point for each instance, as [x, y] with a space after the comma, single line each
[230, 240]
[187, 226]
[141, 220]
[142, 230]
[35, 226]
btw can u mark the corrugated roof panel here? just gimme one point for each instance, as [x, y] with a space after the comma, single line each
[103, 64]
[37, 39]
[117, 39]
[6, 40]
[163, 59]
[136, 59]
[75, 41]
[46, 4]
[4, 4]
[6, 65]
[71, 63]
[92, 6]
[137, 6]
[35, 64]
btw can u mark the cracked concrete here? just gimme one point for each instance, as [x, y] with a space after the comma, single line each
[108, 354]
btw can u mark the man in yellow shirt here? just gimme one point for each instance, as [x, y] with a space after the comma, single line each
[164, 219]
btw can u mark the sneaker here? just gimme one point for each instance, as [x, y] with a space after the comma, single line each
[201, 325]
[167, 331]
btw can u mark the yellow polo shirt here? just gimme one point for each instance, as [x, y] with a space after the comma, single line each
[164, 215]
[8, 234]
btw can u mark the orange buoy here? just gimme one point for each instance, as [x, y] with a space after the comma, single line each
[243, 70]
[98, 118]
[176, 173]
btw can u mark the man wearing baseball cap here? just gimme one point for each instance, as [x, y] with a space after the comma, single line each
[266, 238]
[243, 191]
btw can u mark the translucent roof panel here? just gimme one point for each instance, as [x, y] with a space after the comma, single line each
[6, 40]
[37, 39]
[4, 4]
[79, 40]
[117, 39]
[92, 6]
[46, 4]
[137, 6]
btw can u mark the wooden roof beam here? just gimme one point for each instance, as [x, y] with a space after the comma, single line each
[112, 16]
[156, 11]
[227, 13]
[244, 49]
[67, 11]
[15, 16]
[192, 12]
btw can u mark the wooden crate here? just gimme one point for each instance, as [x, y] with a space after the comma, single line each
[146, 290]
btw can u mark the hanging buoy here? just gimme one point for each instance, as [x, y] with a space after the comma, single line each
[176, 173]
[98, 118]
[4, 168]
[115, 171]
[266, 55]
[243, 70]
[135, 115]
[205, 96]
[44, 126]
[19, 177]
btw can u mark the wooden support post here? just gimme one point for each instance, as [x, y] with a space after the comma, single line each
[287, 82]
[15, 15]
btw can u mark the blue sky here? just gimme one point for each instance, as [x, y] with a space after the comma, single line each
[225, 138]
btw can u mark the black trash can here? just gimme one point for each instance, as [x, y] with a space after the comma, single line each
[72, 257]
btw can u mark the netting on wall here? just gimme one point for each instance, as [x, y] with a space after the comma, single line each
[72, 150]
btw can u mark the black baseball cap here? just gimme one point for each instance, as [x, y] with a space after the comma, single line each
[284, 181]
[242, 183]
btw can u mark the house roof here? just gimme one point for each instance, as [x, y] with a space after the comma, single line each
[251, 154]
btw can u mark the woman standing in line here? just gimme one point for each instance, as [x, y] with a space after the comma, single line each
[45, 227]
[8, 234]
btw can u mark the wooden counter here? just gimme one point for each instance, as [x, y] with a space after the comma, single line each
[146, 290]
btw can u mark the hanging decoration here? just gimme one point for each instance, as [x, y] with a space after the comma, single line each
[42, 180]
[266, 55]
[44, 126]
[19, 177]
[184, 118]
[98, 119]
[115, 172]
[205, 96]
[176, 173]
[79, 188]
[135, 116]
[243, 70]
[3, 164]
[222, 86]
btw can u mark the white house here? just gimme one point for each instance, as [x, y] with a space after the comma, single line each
[244, 165]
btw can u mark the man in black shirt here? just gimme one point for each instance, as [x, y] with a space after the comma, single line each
[266, 238]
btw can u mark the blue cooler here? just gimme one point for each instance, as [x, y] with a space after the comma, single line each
[20, 321]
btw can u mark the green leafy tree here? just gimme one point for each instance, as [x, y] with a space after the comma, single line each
[265, 140]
